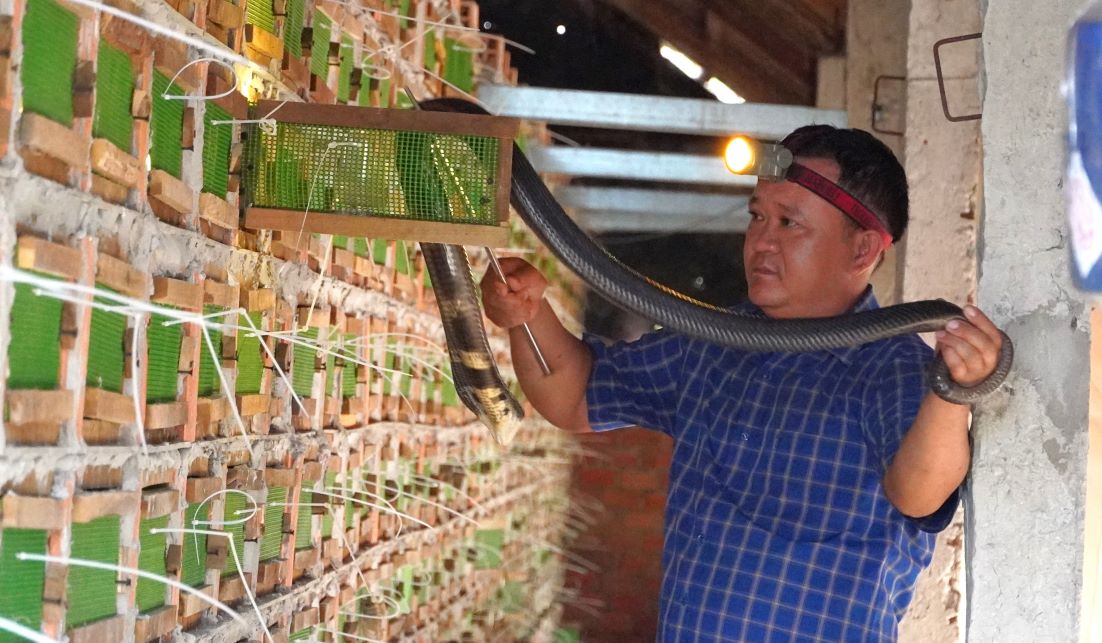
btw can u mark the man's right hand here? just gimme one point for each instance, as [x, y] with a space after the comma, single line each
[518, 302]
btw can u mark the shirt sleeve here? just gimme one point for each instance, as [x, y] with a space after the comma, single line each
[898, 388]
[635, 384]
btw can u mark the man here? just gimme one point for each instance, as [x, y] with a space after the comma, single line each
[804, 487]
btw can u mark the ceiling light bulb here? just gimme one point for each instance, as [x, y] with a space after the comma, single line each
[561, 29]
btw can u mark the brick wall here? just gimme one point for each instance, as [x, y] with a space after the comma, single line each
[626, 472]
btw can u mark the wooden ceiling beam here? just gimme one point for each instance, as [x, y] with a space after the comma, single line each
[787, 21]
[750, 69]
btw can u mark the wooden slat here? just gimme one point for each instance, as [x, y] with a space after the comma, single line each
[164, 416]
[31, 512]
[393, 119]
[116, 164]
[158, 502]
[121, 276]
[106, 405]
[109, 191]
[52, 139]
[258, 300]
[199, 489]
[177, 293]
[218, 211]
[264, 42]
[170, 191]
[219, 294]
[32, 253]
[378, 227]
[226, 14]
[89, 506]
[25, 407]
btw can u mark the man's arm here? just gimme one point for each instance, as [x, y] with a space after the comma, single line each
[560, 396]
[934, 455]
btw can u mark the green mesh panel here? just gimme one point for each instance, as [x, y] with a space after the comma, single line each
[208, 372]
[459, 65]
[363, 98]
[114, 94]
[384, 92]
[344, 73]
[194, 566]
[250, 358]
[490, 542]
[448, 395]
[389, 362]
[166, 126]
[301, 635]
[404, 8]
[106, 350]
[91, 594]
[34, 353]
[386, 173]
[234, 502]
[331, 371]
[260, 14]
[292, 27]
[359, 247]
[429, 386]
[319, 48]
[305, 363]
[378, 252]
[49, 58]
[151, 558]
[327, 517]
[305, 515]
[348, 374]
[217, 140]
[405, 380]
[21, 581]
[272, 538]
[402, 100]
[401, 257]
[430, 50]
[163, 362]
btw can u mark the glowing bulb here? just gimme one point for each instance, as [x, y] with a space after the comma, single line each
[739, 155]
[561, 29]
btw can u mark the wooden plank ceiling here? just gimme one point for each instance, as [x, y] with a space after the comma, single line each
[766, 50]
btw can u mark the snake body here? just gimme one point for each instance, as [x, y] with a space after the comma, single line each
[623, 286]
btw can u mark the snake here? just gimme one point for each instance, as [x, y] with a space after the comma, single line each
[625, 287]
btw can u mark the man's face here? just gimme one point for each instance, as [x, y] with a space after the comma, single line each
[799, 249]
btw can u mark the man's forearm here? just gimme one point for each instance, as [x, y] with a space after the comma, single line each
[932, 459]
[560, 396]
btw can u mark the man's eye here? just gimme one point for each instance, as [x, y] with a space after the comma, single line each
[788, 223]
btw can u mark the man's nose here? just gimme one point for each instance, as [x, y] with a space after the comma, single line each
[764, 238]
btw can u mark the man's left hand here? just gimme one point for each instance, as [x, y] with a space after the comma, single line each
[970, 348]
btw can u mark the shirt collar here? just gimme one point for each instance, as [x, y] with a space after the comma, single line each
[866, 302]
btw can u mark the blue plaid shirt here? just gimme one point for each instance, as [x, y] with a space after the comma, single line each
[776, 526]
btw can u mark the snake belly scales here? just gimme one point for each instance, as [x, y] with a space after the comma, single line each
[474, 369]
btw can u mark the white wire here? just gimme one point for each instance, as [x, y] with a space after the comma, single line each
[9, 625]
[206, 59]
[95, 564]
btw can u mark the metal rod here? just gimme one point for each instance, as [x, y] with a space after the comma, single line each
[528, 331]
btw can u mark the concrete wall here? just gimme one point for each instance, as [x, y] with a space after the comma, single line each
[1025, 519]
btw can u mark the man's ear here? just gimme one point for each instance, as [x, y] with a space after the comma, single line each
[868, 248]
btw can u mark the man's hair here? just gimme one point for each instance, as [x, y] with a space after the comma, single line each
[870, 170]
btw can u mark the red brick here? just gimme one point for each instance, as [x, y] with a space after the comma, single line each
[643, 521]
[641, 480]
[618, 498]
[655, 501]
[596, 477]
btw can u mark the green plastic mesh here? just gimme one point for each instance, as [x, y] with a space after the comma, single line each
[402, 100]
[383, 173]
[166, 126]
[363, 97]
[319, 47]
[151, 558]
[92, 592]
[305, 363]
[272, 538]
[208, 365]
[378, 251]
[458, 65]
[49, 58]
[107, 349]
[327, 517]
[348, 373]
[359, 247]
[163, 362]
[260, 14]
[234, 502]
[404, 9]
[250, 358]
[331, 369]
[490, 543]
[21, 581]
[401, 257]
[430, 50]
[390, 363]
[448, 395]
[217, 140]
[193, 570]
[344, 73]
[384, 92]
[34, 353]
[305, 515]
[292, 27]
[114, 93]
[301, 635]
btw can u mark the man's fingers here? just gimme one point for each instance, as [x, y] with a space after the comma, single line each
[983, 344]
[983, 323]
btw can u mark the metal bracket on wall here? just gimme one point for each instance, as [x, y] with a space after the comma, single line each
[879, 107]
[941, 78]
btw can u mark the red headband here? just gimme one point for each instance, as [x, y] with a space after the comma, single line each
[837, 196]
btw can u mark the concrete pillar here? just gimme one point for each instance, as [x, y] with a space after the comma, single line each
[1024, 528]
[944, 169]
[876, 45]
